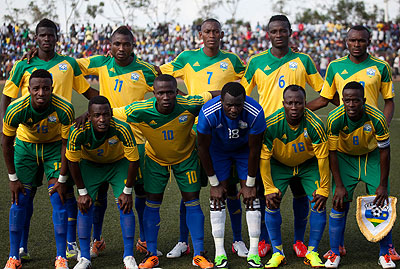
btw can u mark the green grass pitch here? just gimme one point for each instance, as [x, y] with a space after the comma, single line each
[360, 252]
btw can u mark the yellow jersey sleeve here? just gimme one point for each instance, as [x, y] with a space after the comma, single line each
[9, 130]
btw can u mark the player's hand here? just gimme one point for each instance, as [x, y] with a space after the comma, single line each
[319, 200]
[84, 203]
[381, 196]
[30, 54]
[125, 202]
[338, 198]
[273, 200]
[61, 189]
[16, 187]
[217, 196]
[109, 54]
[158, 70]
[249, 194]
[81, 120]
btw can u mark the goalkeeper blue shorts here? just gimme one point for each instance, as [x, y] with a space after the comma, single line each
[223, 161]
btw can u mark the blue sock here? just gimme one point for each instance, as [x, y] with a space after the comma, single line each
[195, 222]
[384, 244]
[264, 232]
[183, 228]
[301, 208]
[317, 226]
[60, 222]
[85, 222]
[235, 212]
[100, 206]
[17, 222]
[28, 216]
[72, 212]
[346, 211]
[273, 220]
[140, 203]
[390, 240]
[151, 221]
[127, 222]
[336, 229]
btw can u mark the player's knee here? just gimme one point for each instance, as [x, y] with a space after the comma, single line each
[218, 223]
[139, 191]
[85, 222]
[254, 223]
[256, 206]
[216, 207]
[17, 216]
[55, 200]
[60, 220]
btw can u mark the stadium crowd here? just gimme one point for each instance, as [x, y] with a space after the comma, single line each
[159, 44]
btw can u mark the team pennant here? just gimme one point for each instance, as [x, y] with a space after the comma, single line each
[375, 222]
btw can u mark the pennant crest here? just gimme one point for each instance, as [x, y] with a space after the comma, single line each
[375, 222]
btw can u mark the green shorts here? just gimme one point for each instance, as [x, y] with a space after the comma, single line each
[95, 174]
[139, 178]
[353, 169]
[32, 159]
[186, 174]
[307, 173]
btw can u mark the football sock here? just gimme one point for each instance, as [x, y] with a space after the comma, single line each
[17, 221]
[384, 244]
[235, 213]
[273, 219]
[264, 233]
[217, 219]
[346, 211]
[72, 212]
[140, 203]
[301, 208]
[28, 216]
[317, 226]
[390, 240]
[336, 228]
[195, 223]
[100, 206]
[183, 228]
[60, 222]
[85, 222]
[253, 219]
[127, 222]
[151, 221]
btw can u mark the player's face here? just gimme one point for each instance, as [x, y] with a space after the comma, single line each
[100, 116]
[294, 103]
[279, 33]
[46, 38]
[353, 102]
[211, 35]
[233, 106]
[40, 90]
[357, 43]
[165, 94]
[121, 47]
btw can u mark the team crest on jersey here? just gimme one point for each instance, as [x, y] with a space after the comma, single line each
[223, 66]
[367, 128]
[52, 119]
[63, 67]
[305, 133]
[112, 141]
[371, 72]
[242, 124]
[135, 77]
[293, 65]
[183, 118]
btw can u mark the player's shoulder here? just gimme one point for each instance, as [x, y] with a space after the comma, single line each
[336, 116]
[188, 54]
[259, 57]
[232, 56]
[97, 60]
[252, 106]
[316, 124]
[275, 118]
[119, 124]
[191, 99]
[378, 61]
[77, 133]
[374, 113]
[16, 107]
[339, 61]
[212, 106]
[63, 105]
[139, 106]
[145, 66]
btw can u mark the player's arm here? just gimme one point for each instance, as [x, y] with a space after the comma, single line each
[84, 201]
[382, 190]
[388, 110]
[125, 199]
[60, 185]
[340, 190]
[91, 92]
[317, 103]
[5, 101]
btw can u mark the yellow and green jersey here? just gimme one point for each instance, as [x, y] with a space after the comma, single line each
[169, 138]
[118, 142]
[64, 70]
[272, 75]
[357, 138]
[374, 74]
[38, 127]
[203, 73]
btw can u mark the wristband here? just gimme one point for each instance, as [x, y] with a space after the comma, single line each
[251, 181]
[127, 190]
[62, 179]
[213, 180]
[82, 192]
[13, 177]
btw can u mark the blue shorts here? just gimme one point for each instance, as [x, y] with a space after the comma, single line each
[223, 162]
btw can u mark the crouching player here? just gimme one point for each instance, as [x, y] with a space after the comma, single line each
[295, 147]
[230, 131]
[103, 151]
[359, 150]
[40, 121]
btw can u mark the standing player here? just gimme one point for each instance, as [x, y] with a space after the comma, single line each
[166, 121]
[66, 76]
[295, 147]
[39, 124]
[230, 130]
[104, 150]
[272, 71]
[202, 70]
[359, 149]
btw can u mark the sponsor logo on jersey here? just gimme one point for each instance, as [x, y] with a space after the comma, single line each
[293, 65]
[63, 67]
[305, 133]
[371, 72]
[367, 128]
[344, 72]
[223, 66]
[152, 122]
[242, 124]
[112, 69]
[112, 141]
[29, 120]
[52, 119]
[135, 77]
[345, 128]
[284, 136]
[196, 64]
[267, 68]
[183, 118]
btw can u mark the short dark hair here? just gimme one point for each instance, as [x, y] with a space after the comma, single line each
[98, 100]
[355, 86]
[46, 23]
[166, 77]
[360, 28]
[123, 30]
[211, 20]
[282, 18]
[295, 88]
[41, 73]
[233, 88]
